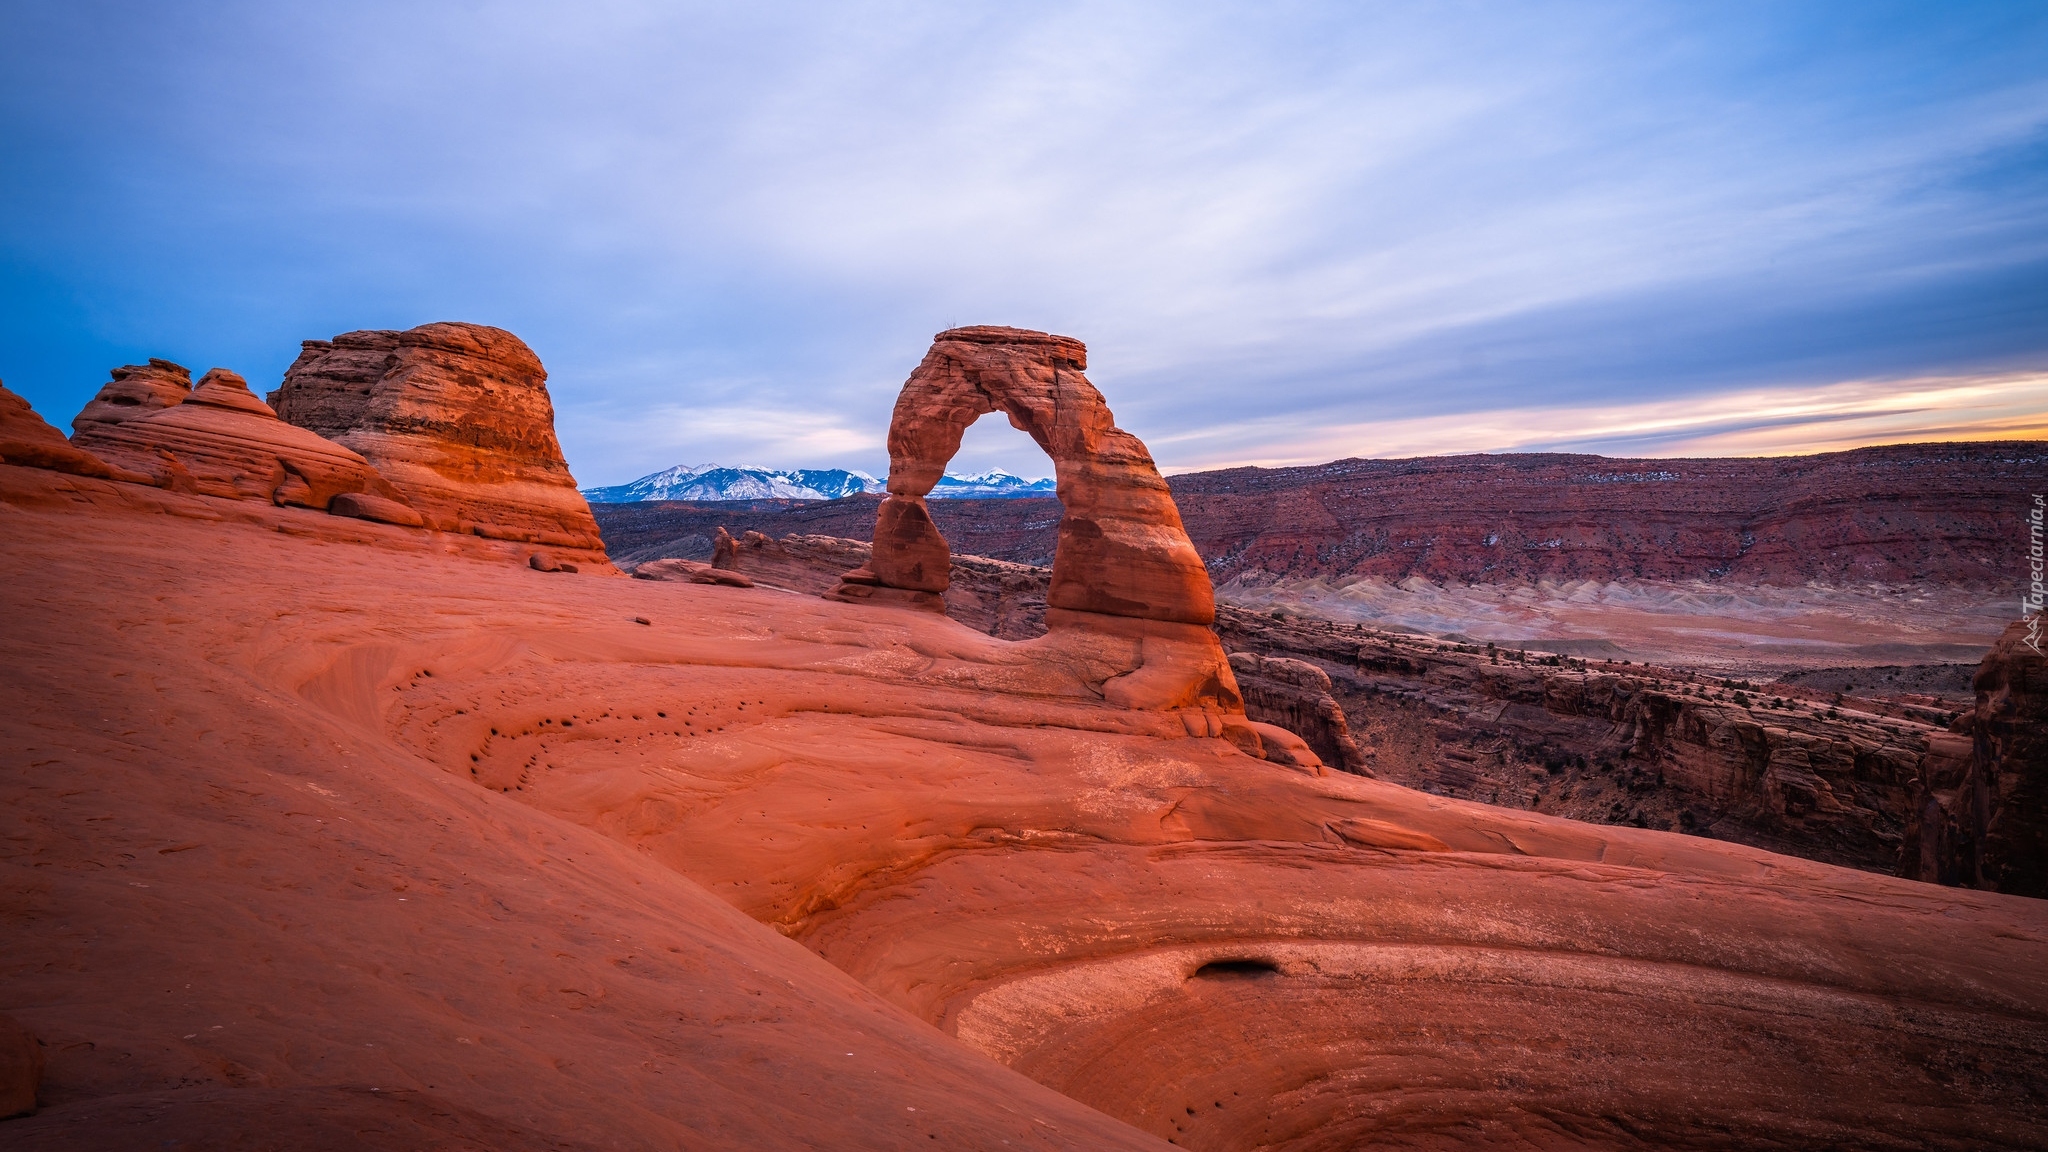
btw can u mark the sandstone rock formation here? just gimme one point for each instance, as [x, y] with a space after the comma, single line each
[28, 441]
[1898, 513]
[1788, 769]
[222, 441]
[135, 391]
[724, 551]
[1295, 695]
[1123, 567]
[1982, 820]
[1122, 551]
[457, 418]
[1937, 513]
[365, 841]
[691, 572]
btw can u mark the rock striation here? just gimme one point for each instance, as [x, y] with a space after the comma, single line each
[28, 441]
[1793, 770]
[222, 441]
[1897, 513]
[1983, 822]
[1938, 513]
[457, 418]
[135, 391]
[1295, 695]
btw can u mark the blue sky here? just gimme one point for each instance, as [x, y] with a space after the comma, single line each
[1288, 232]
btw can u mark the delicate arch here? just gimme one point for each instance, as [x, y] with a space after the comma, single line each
[1122, 550]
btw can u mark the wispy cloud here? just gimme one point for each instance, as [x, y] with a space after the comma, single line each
[1746, 422]
[1284, 218]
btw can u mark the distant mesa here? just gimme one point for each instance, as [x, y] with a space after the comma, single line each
[713, 482]
[457, 418]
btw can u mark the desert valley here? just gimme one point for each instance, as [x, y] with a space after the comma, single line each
[365, 789]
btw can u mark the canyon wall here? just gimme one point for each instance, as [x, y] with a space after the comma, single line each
[1808, 772]
[1938, 513]
[1915, 512]
[1982, 820]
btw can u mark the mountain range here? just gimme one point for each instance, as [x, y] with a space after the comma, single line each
[718, 482]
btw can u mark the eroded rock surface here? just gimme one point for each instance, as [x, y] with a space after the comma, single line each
[1123, 567]
[1121, 551]
[21, 1068]
[135, 391]
[1792, 769]
[1982, 819]
[28, 441]
[568, 863]
[457, 417]
[1295, 695]
[222, 441]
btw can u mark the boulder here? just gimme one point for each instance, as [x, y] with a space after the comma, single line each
[366, 506]
[222, 441]
[690, 572]
[135, 391]
[457, 417]
[28, 441]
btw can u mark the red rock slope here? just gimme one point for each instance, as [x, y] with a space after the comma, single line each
[351, 842]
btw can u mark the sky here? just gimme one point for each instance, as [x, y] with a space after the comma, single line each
[1288, 232]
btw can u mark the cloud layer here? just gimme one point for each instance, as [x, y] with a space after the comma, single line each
[731, 230]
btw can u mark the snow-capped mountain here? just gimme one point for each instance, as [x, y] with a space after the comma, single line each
[717, 482]
[996, 483]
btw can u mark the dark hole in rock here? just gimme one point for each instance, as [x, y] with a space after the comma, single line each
[1236, 970]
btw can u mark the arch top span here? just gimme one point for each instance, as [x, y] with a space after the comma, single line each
[1122, 550]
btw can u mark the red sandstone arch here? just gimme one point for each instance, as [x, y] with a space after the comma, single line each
[1122, 550]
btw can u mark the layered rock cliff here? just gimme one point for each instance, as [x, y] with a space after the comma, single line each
[1795, 770]
[1904, 513]
[457, 418]
[1982, 820]
[1933, 513]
